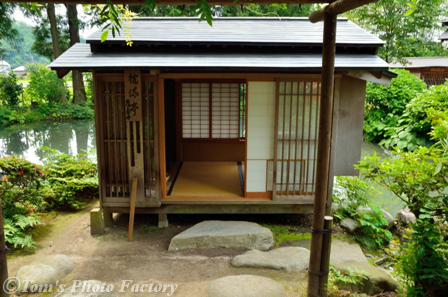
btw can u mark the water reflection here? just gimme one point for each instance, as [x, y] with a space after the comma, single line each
[26, 141]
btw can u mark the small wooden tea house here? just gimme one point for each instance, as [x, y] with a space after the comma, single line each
[221, 119]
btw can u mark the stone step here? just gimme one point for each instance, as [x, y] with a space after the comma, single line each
[223, 234]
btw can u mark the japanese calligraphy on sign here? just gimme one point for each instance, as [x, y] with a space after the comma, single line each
[133, 96]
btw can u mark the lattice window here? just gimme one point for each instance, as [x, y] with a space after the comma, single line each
[213, 110]
[297, 121]
[195, 110]
[115, 139]
[432, 79]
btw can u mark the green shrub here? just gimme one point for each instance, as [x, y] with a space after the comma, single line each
[414, 127]
[72, 180]
[419, 178]
[45, 86]
[64, 182]
[20, 196]
[386, 104]
[10, 90]
[354, 197]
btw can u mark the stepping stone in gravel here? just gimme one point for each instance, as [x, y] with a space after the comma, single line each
[62, 263]
[343, 251]
[285, 258]
[244, 286]
[377, 280]
[223, 234]
[36, 274]
[88, 288]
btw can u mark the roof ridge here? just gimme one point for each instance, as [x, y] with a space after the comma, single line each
[181, 18]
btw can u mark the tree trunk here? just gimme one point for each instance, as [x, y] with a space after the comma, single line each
[55, 38]
[54, 30]
[79, 93]
[3, 264]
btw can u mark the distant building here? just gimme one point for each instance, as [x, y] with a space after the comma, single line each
[20, 71]
[4, 67]
[444, 36]
[431, 70]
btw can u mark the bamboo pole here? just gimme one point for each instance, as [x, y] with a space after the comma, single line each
[323, 155]
[326, 249]
[132, 210]
[336, 8]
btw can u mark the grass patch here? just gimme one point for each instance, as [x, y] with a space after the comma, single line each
[284, 233]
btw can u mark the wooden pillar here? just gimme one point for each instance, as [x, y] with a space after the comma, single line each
[316, 271]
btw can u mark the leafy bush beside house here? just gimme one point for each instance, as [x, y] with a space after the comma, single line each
[385, 105]
[354, 199]
[64, 182]
[419, 178]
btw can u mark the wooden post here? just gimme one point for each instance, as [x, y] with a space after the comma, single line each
[132, 210]
[326, 250]
[337, 7]
[3, 262]
[323, 156]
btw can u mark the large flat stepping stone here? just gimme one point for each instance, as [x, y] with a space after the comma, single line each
[343, 251]
[244, 286]
[62, 263]
[30, 276]
[223, 234]
[285, 258]
[377, 280]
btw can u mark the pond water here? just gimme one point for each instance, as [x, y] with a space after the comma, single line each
[78, 136]
[26, 141]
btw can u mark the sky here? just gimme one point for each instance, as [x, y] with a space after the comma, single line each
[60, 10]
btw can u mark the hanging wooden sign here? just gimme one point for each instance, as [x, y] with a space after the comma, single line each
[133, 95]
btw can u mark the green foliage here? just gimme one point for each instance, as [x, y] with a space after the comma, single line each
[386, 105]
[421, 265]
[284, 233]
[64, 182]
[43, 44]
[45, 86]
[45, 111]
[353, 196]
[419, 179]
[10, 90]
[20, 197]
[19, 185]
[373, 233]
[16, 228]
[72, 180]
[19, 53]
[337, 278]
[351, 193]
[7, 33]
[414, 127]
[405, 34]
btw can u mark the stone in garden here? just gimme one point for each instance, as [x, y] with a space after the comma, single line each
[35, 274]
[244, 286]
[377, 280]
[389, 218]
[87, 288]
[349, 225]
[285, 258]
[343, 251]
[62, 263]
[405, 217]
[223, 234]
